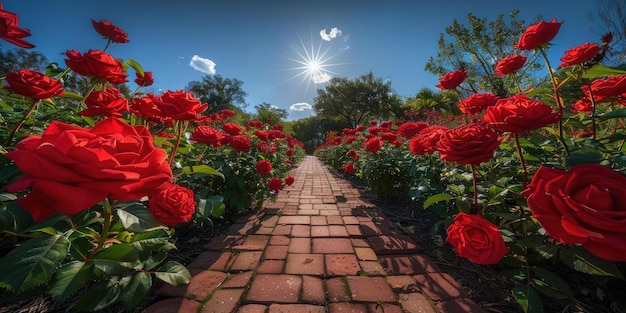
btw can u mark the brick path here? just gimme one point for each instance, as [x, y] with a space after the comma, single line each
[318, 248]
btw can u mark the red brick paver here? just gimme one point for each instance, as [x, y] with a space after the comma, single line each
[318, 248]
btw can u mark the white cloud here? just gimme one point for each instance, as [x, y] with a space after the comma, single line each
[320, 78]
[203, 65]
[300, 107]
[334, 33]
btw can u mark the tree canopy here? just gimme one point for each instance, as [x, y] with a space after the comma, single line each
[219, 92]
[477, 47]
[356, 100]
[267, 112]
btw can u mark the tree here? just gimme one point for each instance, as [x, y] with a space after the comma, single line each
[220, 93]
[427, 99]
[356, 100]
[611, 17]
[477, 49]
[18, 59]
[311, 131]
[266, 111]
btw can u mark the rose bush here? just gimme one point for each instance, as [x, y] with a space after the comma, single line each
[567, 219]
[89, 203]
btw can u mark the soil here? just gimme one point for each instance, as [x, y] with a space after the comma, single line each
[484, 284]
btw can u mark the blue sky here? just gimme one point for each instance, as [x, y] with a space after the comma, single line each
[263, 43]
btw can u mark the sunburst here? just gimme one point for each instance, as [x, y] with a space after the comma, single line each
[314, 66]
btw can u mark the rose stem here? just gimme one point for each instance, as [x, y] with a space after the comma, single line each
[24, 118]
[521, 158]
[556, 97]
[107, 222]
[475, 208]
[179, 133]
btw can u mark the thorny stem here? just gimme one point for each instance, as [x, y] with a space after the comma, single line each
[475, 207]
[107, 223]
[593, 113]
[557, 98]
[22, 121]
[521, 158]
[179, 134]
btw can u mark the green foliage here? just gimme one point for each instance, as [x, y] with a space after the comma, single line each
[356, 101]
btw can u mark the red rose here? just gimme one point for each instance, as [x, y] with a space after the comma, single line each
[231, 128]
[240, 143]
[289, 152]
[579, 54]
[173, 205]
[519, 113]
[612, 86]
[146, 108]
[109, 102]
[388, 136]
[426, 140]
[110, 31]
[410, 129]
[349, 168]
[452, 80]
[477, 102]
[225, 113]
[10, 32]
[145, 80]
[373, 144]
[468, 144]
[264, 167]
[274, 184]
[69, 168]
[585, 205]
[289, 180]
[96, 63]
[583, 105]
[538, 34]
[476, 239]
[509, 65]
[208, 136]
[33, 84]
[180, 105]
[373, 122]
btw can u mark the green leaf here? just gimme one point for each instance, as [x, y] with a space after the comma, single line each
[135, 65]
[72, 95]
[601, 70]
[70, 278]
[585, 155]
[14, 219]
[110, 267]
[122, 252]
[213, 206]
[173, 273]
[136, 218]
[618, 113]
[551, 284]
[584, 261]
[135, 289]
[99, 296]
[528, 299]
[201, 169]
[437, 198]
[621, 160]
[33, 263]
[531, 241]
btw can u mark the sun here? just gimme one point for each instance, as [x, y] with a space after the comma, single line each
[313, 63]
